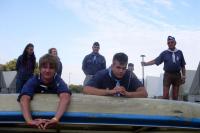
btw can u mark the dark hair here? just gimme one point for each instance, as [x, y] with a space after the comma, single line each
[25, 55]
[130, 64]
[122, 58]
[96, 44]
[48, 58]
[51, 50]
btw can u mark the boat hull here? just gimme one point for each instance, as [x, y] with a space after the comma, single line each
[89, 110]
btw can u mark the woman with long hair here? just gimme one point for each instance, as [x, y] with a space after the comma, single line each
[25, 66]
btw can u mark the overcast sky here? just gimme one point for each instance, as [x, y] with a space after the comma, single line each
[134, 27]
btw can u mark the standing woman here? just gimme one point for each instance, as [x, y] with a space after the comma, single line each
[25, 66]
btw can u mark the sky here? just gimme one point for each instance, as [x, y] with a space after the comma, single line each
[134, 27]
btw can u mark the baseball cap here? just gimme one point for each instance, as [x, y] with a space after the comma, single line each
[170, 38]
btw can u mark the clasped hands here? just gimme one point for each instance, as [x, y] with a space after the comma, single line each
[43, 123]
[118, 89]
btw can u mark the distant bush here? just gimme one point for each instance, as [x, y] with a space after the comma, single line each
[36, 70]
[76, 88]
[185, 97]
[10, 66]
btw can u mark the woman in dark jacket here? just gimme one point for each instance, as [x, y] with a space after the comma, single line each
[25, 66]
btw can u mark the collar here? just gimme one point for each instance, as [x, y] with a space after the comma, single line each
[40, 79]
[94, 53]
[173, 51]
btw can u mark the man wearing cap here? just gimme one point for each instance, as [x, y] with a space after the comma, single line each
[93, 62]
[174, 67]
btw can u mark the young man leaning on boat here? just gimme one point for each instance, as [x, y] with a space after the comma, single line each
[116, 81]
[46, 82]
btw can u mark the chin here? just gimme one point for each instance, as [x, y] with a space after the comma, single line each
[48, 77]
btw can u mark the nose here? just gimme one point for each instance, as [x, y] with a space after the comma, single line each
[47, 69]
[121, 70]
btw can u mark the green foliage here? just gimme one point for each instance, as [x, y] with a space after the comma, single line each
[36, 71]
[11, 65]
[76, 88]
[185, 97]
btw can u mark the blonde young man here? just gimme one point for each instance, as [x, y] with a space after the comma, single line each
[46, 82]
